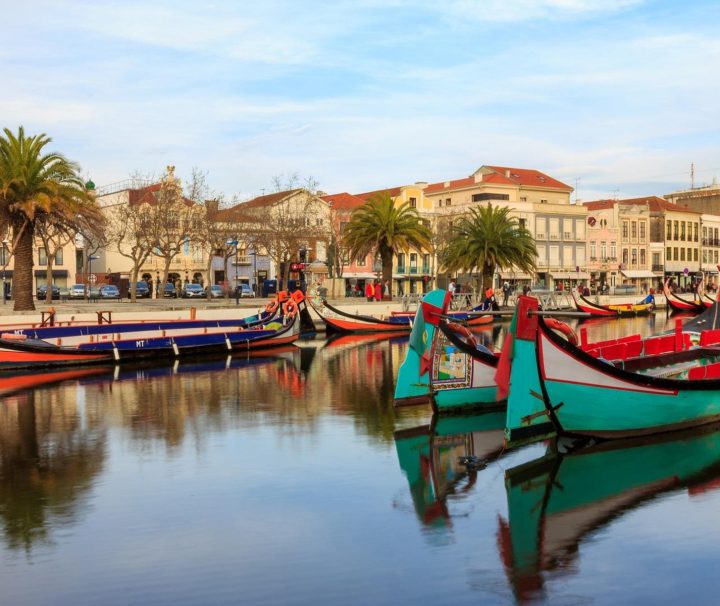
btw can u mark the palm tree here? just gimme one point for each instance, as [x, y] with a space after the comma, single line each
[380, 226]
[37, 186]
[488, 239]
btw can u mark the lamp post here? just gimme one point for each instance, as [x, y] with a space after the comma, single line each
[255, 284]
[5, 242]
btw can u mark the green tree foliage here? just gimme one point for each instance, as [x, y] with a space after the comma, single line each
[381, 227]
[35, 187]
[486, 240]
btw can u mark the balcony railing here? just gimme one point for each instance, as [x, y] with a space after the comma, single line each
[657, 267]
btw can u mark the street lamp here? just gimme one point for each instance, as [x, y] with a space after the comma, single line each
[255, 284]
[5, 242]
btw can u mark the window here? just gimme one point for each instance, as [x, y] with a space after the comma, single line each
[668, 255]
[633, 230]
[4, 255]
[482, 197]
[716, 256]
[413, 202]
[592, 250]
[413, 263]
[633, 257]
[523, 198]
[59, 257]
[682, 230]
[580, 256]
[642, 257]
[555, 256]
[695, 254]
[343, 225]
[426, 263]
[676, 231]
[42, 256]
[401, 261]
[676, 257]
[668, 230]
[625, 230]
[656, 259]
[705, 256]
[603, 249]
[613, 250]
[642, 231]
[543, 201]
[682, 253]
[625, 256]
[695, 232]
[440, 202]
[447, 201]
[689, 254]
[705, 235]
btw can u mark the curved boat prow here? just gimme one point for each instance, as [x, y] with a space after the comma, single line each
[413, 382]
[527, 417]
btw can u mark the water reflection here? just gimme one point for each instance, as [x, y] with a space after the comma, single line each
[555, 501]
[443, 459]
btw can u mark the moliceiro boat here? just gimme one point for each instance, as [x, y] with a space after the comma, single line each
[444, 364]
[675, 302]
[644, 307]
[337, 320]
[62, 346]
[555, 386]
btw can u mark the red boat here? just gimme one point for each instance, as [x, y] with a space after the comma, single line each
[678, 303]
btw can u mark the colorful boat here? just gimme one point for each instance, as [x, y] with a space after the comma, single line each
[59, 346]
[556, 386]
[677, 303]
[644, 307]
[556, 501]
[337, 320]
[442, 458]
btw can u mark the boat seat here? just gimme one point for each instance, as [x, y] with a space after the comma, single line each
[709, 337]
[711, 371]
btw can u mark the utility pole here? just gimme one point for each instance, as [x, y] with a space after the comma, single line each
[692, 175]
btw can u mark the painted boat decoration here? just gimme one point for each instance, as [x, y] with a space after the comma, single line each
[129, 341]
[678, 303]
[555, 386]
[644, 307]
[444, 458]
[337, 320]
[556, 501]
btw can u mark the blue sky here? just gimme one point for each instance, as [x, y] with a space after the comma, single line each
[620, 95]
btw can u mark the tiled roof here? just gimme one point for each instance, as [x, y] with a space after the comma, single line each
[528, 177]
[343, 201]
[654, 203]
[599, 204]
[393, 192]
[448, 185]
[258, 202]
[147, 195]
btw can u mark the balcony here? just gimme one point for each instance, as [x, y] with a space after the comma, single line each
[657, 267]
[540, 236]
[567, 235]
[554, 236]
[401, 269]
[241, 260]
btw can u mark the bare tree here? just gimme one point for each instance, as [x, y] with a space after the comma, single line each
[54, 236]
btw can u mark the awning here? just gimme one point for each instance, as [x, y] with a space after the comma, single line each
[360, 275]
[638, 273]
[57, 273]
[570, 275]
[515, 275]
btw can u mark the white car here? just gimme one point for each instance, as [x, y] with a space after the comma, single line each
[77, 291]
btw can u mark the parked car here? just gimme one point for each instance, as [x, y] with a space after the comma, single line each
[77, 291]
[191, 291]
[169, 291]
[109, 291]
[142, 291]
[216, 291]
[244, 291]
[42, 292]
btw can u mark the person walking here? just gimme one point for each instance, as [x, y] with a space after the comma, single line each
[369, 291]
[506, 293]
[451, 287]
[378, 291]
[386, 291]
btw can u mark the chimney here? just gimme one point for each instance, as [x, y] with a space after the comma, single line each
[478, 177]
[507, 173]
[421, 184]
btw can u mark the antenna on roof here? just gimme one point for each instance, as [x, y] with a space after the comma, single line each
[263, 192]
[692, 175]
[577, 180]
[616, 194]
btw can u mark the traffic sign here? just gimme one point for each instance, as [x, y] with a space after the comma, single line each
[92, 278]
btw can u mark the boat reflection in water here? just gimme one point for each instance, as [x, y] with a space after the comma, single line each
[444, 457]
[556, 500]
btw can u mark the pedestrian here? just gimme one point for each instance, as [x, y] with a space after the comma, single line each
[150, 287]
[386, 291]
[369, 291]
[451, 287]
[526, 289]
[378, 290]
[506, 293]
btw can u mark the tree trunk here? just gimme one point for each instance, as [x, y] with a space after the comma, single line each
[48, 275]
[22, 274]
[210, 281]
[386, 256]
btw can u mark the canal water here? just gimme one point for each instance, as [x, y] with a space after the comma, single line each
[289, 479]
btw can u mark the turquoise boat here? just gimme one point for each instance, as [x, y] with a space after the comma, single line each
[556, 386]
[558, 499]
[444, 364]
[443, 457]
[413, 381]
